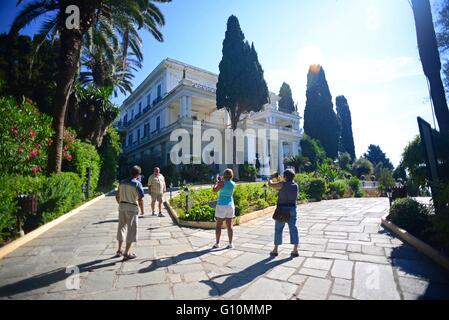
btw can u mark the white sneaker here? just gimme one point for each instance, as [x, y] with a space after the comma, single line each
[216, 246]
[230, 246]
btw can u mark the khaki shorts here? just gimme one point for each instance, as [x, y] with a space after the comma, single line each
[127, 226]
[156, 197]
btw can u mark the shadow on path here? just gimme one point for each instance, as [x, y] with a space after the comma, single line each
[244, 277]
[46, 279]
[415, 270]
[166, 262]
[106, 221]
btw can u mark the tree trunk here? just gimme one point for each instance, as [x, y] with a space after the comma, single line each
[430, 58]
[70, 52]
[70, 55]
[234, 123]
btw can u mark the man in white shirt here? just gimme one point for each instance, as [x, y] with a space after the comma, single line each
[156, 189]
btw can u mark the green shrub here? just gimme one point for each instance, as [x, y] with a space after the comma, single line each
[339, 188]
[261, 204]
[303, 181]
[247, 172]
[303, 196]
[354, 184]
[328, 171]
[59, 194]
[85, 156]
[110, 153]
[386, 180]
[317, 188]
[7, 208]
[199, 213]
[410, 215]
[242, 207]
[361, 167]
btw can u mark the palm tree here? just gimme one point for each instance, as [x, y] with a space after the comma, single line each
[430, 58]
[137, 13]
[298, 162]
[113, 52]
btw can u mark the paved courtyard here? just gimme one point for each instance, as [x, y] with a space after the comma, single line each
[345, 254]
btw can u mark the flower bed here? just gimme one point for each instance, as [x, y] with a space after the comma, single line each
[247, 198]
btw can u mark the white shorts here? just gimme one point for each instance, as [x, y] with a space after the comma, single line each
[224, 212]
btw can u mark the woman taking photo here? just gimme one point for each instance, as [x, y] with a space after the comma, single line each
[288, 194]
[225, 209]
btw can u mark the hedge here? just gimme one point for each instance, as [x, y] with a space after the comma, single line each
[84, 156]
[56, 195]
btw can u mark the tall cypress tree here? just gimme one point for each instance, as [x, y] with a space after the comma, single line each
[241, 87]
[286, 104]
[320, 120]
[344, 117]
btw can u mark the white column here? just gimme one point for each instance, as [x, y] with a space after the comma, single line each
[281, 156]
[189, 107]
[182, 107]
[295, 148]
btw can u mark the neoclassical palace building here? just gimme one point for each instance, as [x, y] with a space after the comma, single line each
[176, 95]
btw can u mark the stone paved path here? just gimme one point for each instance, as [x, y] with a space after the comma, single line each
[345, 254]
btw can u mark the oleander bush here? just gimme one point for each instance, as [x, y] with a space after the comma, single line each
[25, 135]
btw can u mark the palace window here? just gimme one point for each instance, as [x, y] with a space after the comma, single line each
[158, 123]
[159, 91]
[146, 130]
[149, 100]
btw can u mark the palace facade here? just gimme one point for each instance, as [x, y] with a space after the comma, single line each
[176, 95]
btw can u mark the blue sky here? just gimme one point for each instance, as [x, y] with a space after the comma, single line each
[367, 48]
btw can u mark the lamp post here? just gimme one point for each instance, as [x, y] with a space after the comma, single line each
[186, 190]
[171, 189]
[390, 194]
[265, 191]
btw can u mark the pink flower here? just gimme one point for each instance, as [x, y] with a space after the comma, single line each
[36, 169]
[68, 156]
[32, 134]
[50, 142]
[66, 148]
[21, 150]
[15, 131]
[38, 146]
[33, 153]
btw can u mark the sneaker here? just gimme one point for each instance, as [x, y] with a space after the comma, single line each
[161, 215]
[230, 246]
[216, 246]
[154, 214]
